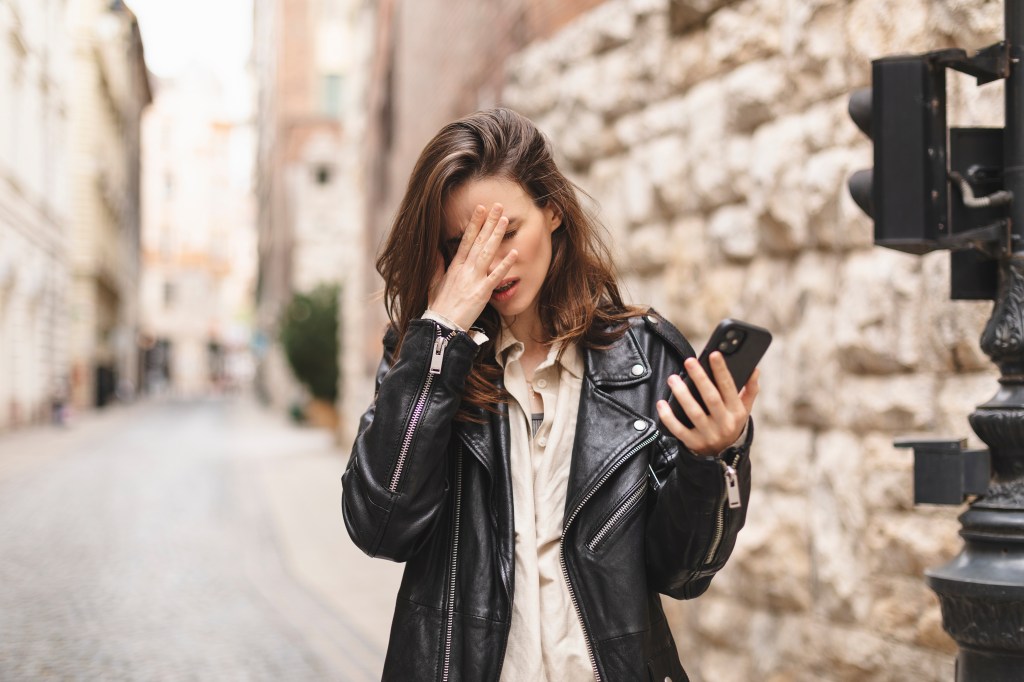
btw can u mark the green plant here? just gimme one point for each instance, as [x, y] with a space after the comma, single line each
[309, 334]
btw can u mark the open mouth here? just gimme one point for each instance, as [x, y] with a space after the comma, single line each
[505, 286]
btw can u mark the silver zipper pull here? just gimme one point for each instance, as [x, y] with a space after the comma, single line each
[438, 358]
[732, 487]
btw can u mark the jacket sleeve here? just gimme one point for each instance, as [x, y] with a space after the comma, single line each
[395, 484]
[692, 529]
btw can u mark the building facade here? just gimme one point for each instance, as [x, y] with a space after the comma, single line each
[714, 139]
[198, 239]
[35, 69]
[309, 58]
[107, 93]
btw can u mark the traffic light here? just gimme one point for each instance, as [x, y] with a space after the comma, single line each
[932, 187]
[904, 113]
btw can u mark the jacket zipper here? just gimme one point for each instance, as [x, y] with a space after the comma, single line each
[561, 546]
[731, 494]
[436, 360]
[634, 497]
[454, 568]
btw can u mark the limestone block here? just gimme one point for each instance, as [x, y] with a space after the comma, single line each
[611, 25]
[734, 231]
[975, 23]
[818, 63]
[899, 404]
[689, 15]
[607, 84]
[879, 27]
[648, 249]
[852, 655]
[585, 139]
[723, 665]
[643, 8]
[714, 180]
[801, 374]
[755, 93]
[782, 647]
[784, 222]
[778, 291]
[855, 229]
[837, 522]
[908, 543]
[638, 190]
[668, 169]
[782, 458]
[775, 146]
[930, 633]
[888, 481]
[828, 124]
[823, 186]
[604, 183]
[877, 330]
[686, 63]
[901, 605]
[745, 32]
[771, 563]
[607, 26]
[532, 83]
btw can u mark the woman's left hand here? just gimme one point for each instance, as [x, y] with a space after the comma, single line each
[728, 409]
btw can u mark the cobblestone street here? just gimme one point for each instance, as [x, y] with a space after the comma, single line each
[183, 540]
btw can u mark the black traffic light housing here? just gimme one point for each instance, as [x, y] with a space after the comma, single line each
[904, 113]
[921, 190]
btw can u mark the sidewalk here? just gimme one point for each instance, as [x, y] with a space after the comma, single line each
[300, 468]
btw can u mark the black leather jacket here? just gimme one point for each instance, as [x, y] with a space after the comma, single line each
[643, 514]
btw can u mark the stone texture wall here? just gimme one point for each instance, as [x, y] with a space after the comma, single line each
[714, 139]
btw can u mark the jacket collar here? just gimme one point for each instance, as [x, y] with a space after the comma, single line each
[621, 364]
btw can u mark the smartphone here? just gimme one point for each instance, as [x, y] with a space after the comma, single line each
[741, 344]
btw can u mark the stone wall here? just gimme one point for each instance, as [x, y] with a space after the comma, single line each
[714, 139]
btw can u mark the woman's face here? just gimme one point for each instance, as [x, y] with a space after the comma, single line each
[529, 232]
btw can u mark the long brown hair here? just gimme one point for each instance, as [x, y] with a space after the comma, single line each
[579, 301]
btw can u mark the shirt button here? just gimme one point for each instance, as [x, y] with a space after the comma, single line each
[653, 320]
[637, 370]
[542, 441]
[640, 425]
[542, 383]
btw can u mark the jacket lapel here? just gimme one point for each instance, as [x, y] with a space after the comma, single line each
[607, 431]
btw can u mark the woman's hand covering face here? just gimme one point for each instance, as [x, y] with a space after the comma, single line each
[461, 292]
[728, 409]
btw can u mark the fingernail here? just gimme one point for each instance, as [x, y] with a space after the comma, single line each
[496, 209]
[673, 380]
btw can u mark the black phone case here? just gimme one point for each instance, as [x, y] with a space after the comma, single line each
[742, 345]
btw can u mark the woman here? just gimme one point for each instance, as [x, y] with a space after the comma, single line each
[513, 456]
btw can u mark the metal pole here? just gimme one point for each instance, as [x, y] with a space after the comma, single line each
[1013, 151]
[981, 591]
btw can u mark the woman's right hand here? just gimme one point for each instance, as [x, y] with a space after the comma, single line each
[461, 292]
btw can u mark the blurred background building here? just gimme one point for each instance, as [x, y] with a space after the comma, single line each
[75, 85]
[198, 239]
[310, 59]
[107, 90]
[36, 69]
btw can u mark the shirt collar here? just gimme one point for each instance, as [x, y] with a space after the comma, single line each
[509, 348]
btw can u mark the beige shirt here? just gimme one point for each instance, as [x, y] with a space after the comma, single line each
[546, 642]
